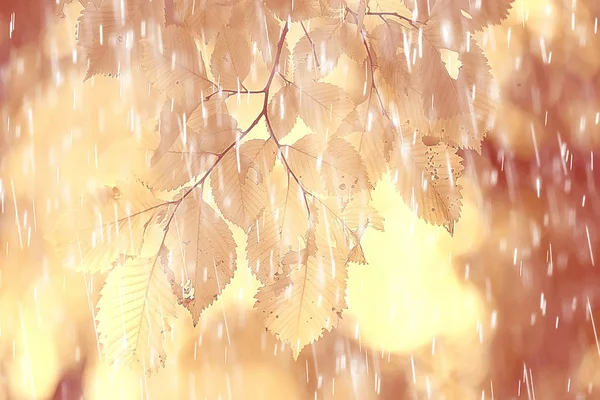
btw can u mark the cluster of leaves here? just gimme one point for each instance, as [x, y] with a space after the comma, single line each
[304, 206]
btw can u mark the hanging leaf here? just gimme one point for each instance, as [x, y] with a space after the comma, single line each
[110, 33]
[373, 136]
[261, 155]
[108, 227]
[176, 68]
[426, 178]
[230, 62]
[473, 88]
[214, 105]
[185, 160]
[264, 30]
[263, 248]
[298, 10]
[283, 111]
[133, 311]
[240, 197]
[205, 18]
[317, 53]
[336, 167]
[465, 15]
[309, 301]
[202, 252]
[322, 106]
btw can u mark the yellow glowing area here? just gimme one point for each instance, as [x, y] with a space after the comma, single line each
[409, 293]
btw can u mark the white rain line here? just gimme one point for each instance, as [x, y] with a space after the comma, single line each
[16, 212]
[587, 232]
[589, 307]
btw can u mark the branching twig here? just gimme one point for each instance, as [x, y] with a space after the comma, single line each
[232, 92]
[414, 24]
[262, 113]
[312, 44]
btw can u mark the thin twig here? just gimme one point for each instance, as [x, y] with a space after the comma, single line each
[312, 44]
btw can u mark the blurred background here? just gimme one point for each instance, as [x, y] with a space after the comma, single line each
[503, 310]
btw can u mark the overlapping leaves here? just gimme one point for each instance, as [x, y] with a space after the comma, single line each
[301, 192]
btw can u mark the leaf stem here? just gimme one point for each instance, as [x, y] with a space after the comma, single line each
[285, 162]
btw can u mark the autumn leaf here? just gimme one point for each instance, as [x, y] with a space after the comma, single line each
[185, 159]
[205, 18]
[107, 227]
[426, 178]
[134, 307]
[322, 106]
[260, 155]
[263, 250]
[213, 104]
[202, 252]
[465, 15]
[334, 167]
[278, 231]
[110, 33]
[317, 53]
[283, 111]
[299, 307]
[264, 30]
[373, 136]
[176, 68]
[465, 104]
[298, 10]
[240, 197]
[230, 61]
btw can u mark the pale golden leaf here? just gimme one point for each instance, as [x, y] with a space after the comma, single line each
[110, 33]
[298, 308]
[106, 227]
[466, 121]
[180, 164]
[298, 10]
[264, 30]
[240, 197]
[335, 166]
[317, 54]
[216, 134]
[133, 312]
[283, 111]
[373, 136]
[261, 155]
[231, 59]
[206, 18]
[466, 15]
[291, 215]
[397, 77]
[263, 248]
[323, 106]
[355, 215]
[426, 178]
[170, 126]
[280, 230]
[176, 68]
[357, 255]
[202, 252]
[215, 104]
